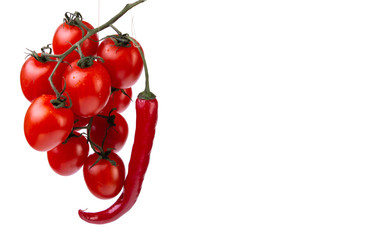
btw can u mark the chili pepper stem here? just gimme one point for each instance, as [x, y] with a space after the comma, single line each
[146, 94]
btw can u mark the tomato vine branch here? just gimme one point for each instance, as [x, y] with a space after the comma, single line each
[85, 61]
[90, 32]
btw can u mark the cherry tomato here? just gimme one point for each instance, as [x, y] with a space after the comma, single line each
[119, 100]
[67, 35]
[34, 77]
[115, 128]
[45, 126]
[103, 179]
[89, 88]
[124, 64]
[67, 158]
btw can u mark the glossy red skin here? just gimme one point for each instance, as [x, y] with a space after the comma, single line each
[89, 88]
[116, 136]
[119, 101]
[124, 64]
[45, 127]
[104, 180]
[146, 118]
[67, 35]
[67, 158]
[80, 121]
[34, 77]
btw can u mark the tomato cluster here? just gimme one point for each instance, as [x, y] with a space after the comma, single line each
[77, 94]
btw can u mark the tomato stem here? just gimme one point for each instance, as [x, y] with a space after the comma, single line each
[92, 144]
[79, 50]
[117, 30]
[95, 147]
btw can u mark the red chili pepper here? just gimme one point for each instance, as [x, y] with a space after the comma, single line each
[146, 118]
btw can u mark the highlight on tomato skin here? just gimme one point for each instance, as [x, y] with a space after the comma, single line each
[45, 126]
[68, 157]
[104, 180]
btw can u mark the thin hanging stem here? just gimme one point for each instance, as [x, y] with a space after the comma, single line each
[146, 94]
[99, 7]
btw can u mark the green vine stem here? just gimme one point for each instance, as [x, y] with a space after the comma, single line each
[90, 32]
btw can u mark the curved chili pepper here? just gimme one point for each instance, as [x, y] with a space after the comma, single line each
[146, 118]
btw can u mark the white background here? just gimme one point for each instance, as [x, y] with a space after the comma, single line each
[273, 122]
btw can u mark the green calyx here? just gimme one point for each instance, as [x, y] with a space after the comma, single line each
[35, 55]
[146, 95]
[75, 19]
[105, 156]
[121, 40]
[110, 118]
[88, 61]
[60, 102]
[42, 57]
[72, 18]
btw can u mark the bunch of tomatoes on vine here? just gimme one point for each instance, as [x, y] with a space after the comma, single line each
[78, 90]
